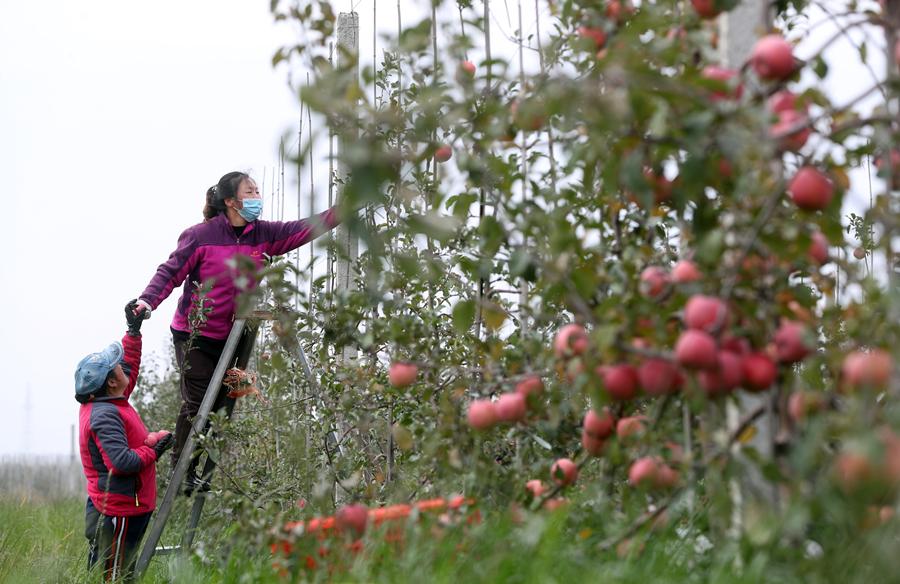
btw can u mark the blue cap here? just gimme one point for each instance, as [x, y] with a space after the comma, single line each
[93, 369]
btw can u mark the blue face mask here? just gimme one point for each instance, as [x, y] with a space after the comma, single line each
[252, 209]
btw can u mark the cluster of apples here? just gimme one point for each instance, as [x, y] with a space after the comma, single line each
[510, 407]
[596, 32]
[720, 361]
[648, 472]
[772, 60]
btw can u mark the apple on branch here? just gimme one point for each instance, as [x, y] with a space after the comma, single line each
[402, 374]
[443, 153]
[482, 415]
[599, 425]
[564, 471]
[810, 189]
[511, 407]
[571, 340]
[772, 58]
[685, 272]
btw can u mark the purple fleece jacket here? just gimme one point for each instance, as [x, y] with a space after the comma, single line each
[203, 255]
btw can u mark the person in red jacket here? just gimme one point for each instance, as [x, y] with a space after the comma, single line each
[119, 460]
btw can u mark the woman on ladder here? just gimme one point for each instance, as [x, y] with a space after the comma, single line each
[205, 256]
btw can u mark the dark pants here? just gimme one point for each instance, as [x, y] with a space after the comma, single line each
[113, 541]
[197, 367]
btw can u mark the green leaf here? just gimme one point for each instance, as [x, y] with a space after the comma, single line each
[709, 250]
[436, 225]
[820, 67]
[492, 235]
[463, 315]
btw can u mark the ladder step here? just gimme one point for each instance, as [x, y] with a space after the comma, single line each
[167, 550]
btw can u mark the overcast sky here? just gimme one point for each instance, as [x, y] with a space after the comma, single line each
[115, 117]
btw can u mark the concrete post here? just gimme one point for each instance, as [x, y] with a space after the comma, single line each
[739, 30]
[348, 245]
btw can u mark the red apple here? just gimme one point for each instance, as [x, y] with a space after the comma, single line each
[696, 350]
[591, 445]
[802, 403]
[654, 282]
[536, 487]
[468, 67]
[759, 371]
[784, 101]
[772, 58]
[402, 374]
[443, 153]
[617, 10]
[555, 503]
[595, 34]
[792, 342]
[705, 8]
[666, 476]
[724, 76]
[859, 253]
[613, 10]
[571, 340]
[788, 138]
[891, 462]
[738, 345]
[881, 163]
[620, 381]
[851, 471]
[810, 189]
[643, 472]
[352, 517]
[706, 313]
[564, 471]
[870, 369]
[601, 425]
[725, 168]
[482, 414]
[685, 271]
[531, 385]
[630, 427]
[726, 376]
[818, 248]
[510, 407]
[661, 186]
[658, 376]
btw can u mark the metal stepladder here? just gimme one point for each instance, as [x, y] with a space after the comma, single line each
[235, 354]
[229, 358]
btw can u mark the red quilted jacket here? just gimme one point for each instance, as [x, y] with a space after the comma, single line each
[120, 469]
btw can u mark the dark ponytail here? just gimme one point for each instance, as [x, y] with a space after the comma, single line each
[225, 189]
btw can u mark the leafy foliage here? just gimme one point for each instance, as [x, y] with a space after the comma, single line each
[562, 190]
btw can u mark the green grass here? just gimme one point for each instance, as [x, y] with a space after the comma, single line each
[42, 541]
